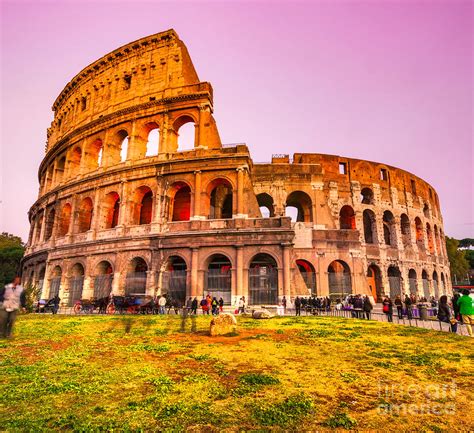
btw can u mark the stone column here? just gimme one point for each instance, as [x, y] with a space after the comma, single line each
[239, 275]
[240, 193]
[122, 219]
[286, 270]
[43, 227]
[194, 289]
[72, 218]
[197, 196]
[318, 197]
[95, 216]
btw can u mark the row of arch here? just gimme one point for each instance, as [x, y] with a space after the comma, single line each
[117, 148]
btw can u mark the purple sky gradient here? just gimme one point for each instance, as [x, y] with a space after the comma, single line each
[385, 81]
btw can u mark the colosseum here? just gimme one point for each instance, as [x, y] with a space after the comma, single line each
[125, 208]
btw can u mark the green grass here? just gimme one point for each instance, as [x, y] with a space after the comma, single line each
[143, 373]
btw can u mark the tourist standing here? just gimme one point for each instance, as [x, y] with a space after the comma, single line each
[388, 308]
[194, 306]
[444, 314]
[298, 306]
[215, 306]
[189, 304]
[12, 298]
[56, 301]
[367, 307]
[284, 303]
[162, 304]
[221, 305]
[204, 306]
[409, 307]
[466, 309]
[398, 302]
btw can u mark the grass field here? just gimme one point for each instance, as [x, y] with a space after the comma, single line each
[102, 373]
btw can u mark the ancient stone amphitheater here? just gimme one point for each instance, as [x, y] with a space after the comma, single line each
[122, 207]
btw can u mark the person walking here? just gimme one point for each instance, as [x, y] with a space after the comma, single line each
[388, 308]
[409, 307]
[12, 298]
[466, 309]
[56, 301]
[162, 304]
[444, 314]
[298, 306]
[215, 306]
[189, 304]
[221, 305]
[204, 306]
[194, 306]
[284, 303]
[398, 302]
[367, 307]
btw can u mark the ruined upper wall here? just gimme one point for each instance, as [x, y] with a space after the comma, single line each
[153, 68]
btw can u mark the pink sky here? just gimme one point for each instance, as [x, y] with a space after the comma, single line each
[385, 81]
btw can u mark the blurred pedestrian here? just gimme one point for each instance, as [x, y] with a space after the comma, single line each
[388, 308]
[466, 309]
[12, 298]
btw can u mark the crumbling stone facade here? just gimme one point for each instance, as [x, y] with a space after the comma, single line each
[123, 208]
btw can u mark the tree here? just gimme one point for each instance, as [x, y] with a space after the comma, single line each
[11, 252]
[469, 254]
[457, 259]
[466, 243]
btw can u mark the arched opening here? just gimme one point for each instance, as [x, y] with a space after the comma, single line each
[60, 166]
[55, 282]
[39, 225]
[142, 206]
[41, 277]
[394, 280]
[186, 133]
[426, 211]
[65, 220]
[266, 205]
[443, 284]
[48, 230]
[405, 230]
[76, 284]
[303, 205]
[85, 215]
[180, 202]
[153, 140]
[370, 227]
[419, 233]
[75, 161]
[123, 139]
[135, 282]
[374, 280]
[438, 242]
[426, 284]
[347, 218]
[110, 210]
[389, 228]
[221, 201]
[174, 280]
[103, 280]
[95, 151]
[429, 235]
[367, 196]
[340, 282]
[219, 278]
[435, 285]
[263, 280]
[307, 272]
[49, 178]
[412, 281]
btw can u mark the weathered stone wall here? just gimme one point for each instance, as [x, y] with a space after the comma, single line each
[110, 212]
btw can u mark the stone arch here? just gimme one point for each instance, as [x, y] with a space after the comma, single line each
[435, 285]
[389, 231]
[189, 133]
[123, 140]
[135, 281]
[419, 232]
[426, 211]
[151, 131]
[74, 162]
[110, 210]
[55, 281]
[412, 281]
[174, 278]
[429, 236]
[142, 206]
[84, 216]
[339, 279]
[394, 280]
[49, 177]
[179, 201]
[221, 202]
[302, 202]
[76, 283]
[94, 151]
[374, 280]
[347, 218]
[219, 276]
[437, 240]
[308, 274]
[103, 278]
[370, 227]
[367, 196]
[405, 229]
[50, 219]
[60, 168]
[64, 220]
[426, 284]
[263, 279]
[443, 284]
[266, 205]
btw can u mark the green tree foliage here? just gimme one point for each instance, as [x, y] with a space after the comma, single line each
[466, 243]
[11, 252]
[469, 254]
[457, 259]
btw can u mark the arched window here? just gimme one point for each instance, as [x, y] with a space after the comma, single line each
[49, 177]
[394, 281]
[153, 140]
[429, 235]
[370, 228]
[103, 280]
[219, 277]
[74, 161]
[307, 272]
[367, 196]
[123, 139]
[221, 201]
[135, 283]
[419, 232]
[110, 210]
[266, 205]
[65, 220]
[435, 285]
[263, 280]
[174, 280]
[303, 205]
[49, 224]
[186, 133]
[443, 284]
[142, 206]
[389, 228]
[426, 284]
[55, 282]
[374, 281]
[339, 276]
[426, 211]
[180, 202]
[60, 166]
[94, 151]
[405, 229]
[347, 218]
[39, 225]
[146, 208]
[76, 283]
[85, 215]
[412, 281]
